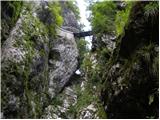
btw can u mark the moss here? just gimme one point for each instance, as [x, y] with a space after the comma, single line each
[101, 112]
[84, 100]
[72, 112]
[151, 10]
[122, 18]
[55, 9]
[57, 101]
[29, 42]
[42, 52]
[10, 13]
[89, 95]
[83, 49]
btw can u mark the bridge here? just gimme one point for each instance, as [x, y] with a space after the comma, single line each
[83, 34]
[71, 35]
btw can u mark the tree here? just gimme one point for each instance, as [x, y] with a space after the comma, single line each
[103, 17]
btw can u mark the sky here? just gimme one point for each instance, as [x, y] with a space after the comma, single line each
[84, 14]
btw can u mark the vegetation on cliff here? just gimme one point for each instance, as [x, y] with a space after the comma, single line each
[118, 78]
[9, 17]
[129, 80]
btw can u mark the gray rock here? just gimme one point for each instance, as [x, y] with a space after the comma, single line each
[49, 113]
[70, 20]
[89, 112]
[65, 64]
[35, 66]
[109, 40]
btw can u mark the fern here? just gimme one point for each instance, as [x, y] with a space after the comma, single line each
[150, 58]
[151, 11]
[155, 66]
[122, 18]
[148, 52]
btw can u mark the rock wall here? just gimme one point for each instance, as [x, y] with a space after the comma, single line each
[131, 79]
[35, 65]
[70, 21]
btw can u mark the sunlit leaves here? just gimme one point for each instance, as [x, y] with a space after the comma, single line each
[55, 8]
[122, 18]
[103, 16]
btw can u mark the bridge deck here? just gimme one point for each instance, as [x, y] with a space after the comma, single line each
[83, 34]
[70, 35]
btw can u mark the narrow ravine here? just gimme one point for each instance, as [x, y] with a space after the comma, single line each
[88, 59]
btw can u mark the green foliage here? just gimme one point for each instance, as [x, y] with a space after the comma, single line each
[10, 13]
[83, 49]
[72, 111]
[16, 6]
[55, 8]
[103, 17]
[101, 112]
[103, 55]
[84, 99]
[29, 41]
[151, 99]
[57, 101]
[151, 9]
[151, 12]
[122, 18]
[139, 70]
[90, 95]
[87, 64]
[151, 59]
[147, 52]
[155, 66]
[106, 19]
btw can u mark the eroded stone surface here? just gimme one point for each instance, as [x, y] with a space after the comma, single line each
[35, 66]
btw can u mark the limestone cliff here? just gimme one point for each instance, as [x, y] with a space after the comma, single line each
[36, 61]
[40, 56]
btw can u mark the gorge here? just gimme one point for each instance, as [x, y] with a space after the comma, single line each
[43, 47]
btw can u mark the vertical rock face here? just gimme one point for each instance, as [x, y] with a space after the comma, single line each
[63, 53]
[9, 16]
[24, 67]
[70, 21]
[131, 84]
[62, 63]
[35, 66]
[105, 40]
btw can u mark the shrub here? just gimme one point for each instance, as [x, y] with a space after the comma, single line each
[55, 8]
[151, 9]
[83, 49]
[122, 18]
[103, 17]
